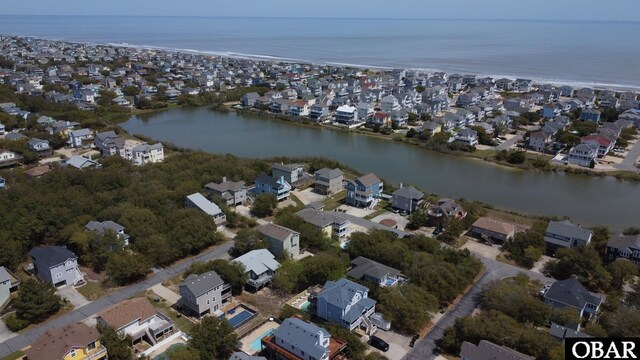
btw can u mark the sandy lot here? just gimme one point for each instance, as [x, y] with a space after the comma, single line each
[483, 250]
[307, 196]
[402, 221]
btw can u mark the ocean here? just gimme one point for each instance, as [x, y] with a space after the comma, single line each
[589, 53]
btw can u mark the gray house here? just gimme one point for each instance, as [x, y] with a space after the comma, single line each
[104, 226]
[233, 192]
[328, 181]
[198, 201]
[569, 293]
[486, 350]
[375, 272]
[56, 265]
[292, 173]
[344, 303]
[261, 266]
[281, 239]
[566, 234]
[204, 294]
[407, 199]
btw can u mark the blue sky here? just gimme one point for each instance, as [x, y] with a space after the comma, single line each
[625, 10]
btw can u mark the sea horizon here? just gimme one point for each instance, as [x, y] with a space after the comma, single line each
[239, 37]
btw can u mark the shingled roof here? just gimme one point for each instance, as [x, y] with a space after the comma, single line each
[570, 292]
[200, 284]
[56, 343]
[128, 311]
[486, 350]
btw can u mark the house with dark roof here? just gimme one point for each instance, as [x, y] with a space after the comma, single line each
[204, 294]
[560, 333]
[260, 265]
[446, 210]
[75, 341]
[365, 269]
[279, 187]
[328, 181]
[329, 222]
[486, 350]
[362, 191]
[281, 239]
[569, 293]
[233, 192]
[407, 199]
[624, 247]
[198, 201]
[56, 265]
[344, 303]
[137, 318]
[566, 234]
[102, 227]
[109, 143]
[298, 339]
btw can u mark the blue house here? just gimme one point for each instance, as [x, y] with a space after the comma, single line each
[590, 115]
[279, 187]
[362, 191]
[344, 303]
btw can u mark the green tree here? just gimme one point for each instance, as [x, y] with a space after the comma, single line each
[213, 338]
[516, 157]
[408, 307]
[565, 317]
[621, 271]
[516, 297]
[36, 301]
[101, 246]
[528, 246]
[247, 240]
[131, 90]
[125, 267]
[117, 344]
[584, 262]
[263, 205]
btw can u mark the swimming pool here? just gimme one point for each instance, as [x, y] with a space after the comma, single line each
[305, 306]
[241, 318]
[255, 344]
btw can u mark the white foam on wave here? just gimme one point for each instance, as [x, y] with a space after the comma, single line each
[272, 58]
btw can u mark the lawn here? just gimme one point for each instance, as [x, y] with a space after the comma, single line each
[178, 319]
[14, 356]
[335, 200]
[296, 200]
[93, 290]
[382, 207]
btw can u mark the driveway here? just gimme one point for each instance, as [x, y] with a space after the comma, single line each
[5, 333]
[165, 293]
[509, 143]
[79, 314]
[495, 270]
[398, 344]
[307, 196]
[73, 296]
[629, 162]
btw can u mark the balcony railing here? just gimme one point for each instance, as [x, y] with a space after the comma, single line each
[101, 352]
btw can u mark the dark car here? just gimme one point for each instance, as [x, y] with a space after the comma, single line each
[378, 343]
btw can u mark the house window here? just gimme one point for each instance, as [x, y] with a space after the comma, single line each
[58, 275]
[91, 346]
[73, 353]
[208, 302]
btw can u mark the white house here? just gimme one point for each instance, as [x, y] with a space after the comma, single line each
[80, 138]
[145, 154]
[137, 318]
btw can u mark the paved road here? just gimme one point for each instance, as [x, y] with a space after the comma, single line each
[424, 349]
[79, 314]
[629, 162]
[509, 143]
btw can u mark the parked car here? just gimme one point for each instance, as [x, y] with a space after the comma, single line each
[378, 343]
